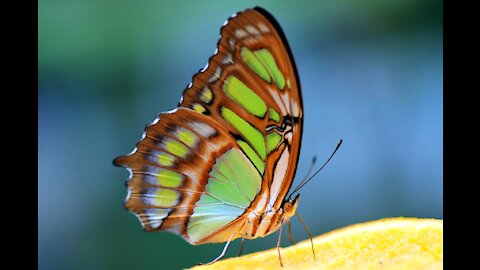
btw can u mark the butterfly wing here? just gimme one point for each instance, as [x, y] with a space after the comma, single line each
[236, 133]
[188, 176]
[251, 87]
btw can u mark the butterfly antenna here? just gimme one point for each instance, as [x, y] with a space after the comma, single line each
[314, 160]
[311, 177]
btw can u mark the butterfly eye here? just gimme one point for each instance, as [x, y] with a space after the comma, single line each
[288, 207]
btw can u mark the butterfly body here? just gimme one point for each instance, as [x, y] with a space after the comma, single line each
[219, 166]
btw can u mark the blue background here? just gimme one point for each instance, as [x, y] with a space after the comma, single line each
[371, 74]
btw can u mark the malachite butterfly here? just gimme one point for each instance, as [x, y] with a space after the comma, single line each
[219, 166]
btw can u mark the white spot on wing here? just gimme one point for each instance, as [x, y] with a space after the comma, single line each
[155, 216]
[203, 129]
[289, 136]
[263, 27]
[129, 192]
[155, 222]
[227, 59]
[278, 101]
[172, 111]
[155, 121]
[231, 44]
[133, 151]
[240, 33]
[204, 68]
[286, 100]
[295, 108]
[216, 75]
[252, 30]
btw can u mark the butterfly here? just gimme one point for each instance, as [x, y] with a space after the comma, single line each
[220, 165]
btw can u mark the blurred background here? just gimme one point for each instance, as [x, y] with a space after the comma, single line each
[371, 74]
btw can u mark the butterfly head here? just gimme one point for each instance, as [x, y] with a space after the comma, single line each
[290, 206]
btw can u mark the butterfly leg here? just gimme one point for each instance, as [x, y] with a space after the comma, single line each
[223, 251]
[309, 233]
[278, 246]
[289, 236]
[241, 247]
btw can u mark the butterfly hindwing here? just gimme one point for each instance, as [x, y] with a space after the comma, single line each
[188, 176]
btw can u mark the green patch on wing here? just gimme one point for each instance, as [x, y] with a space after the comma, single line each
[253, 63]
[176, 148]
[272, 141]
[168, 178]
[233, 185]
[252, 135]
[165, 159]
[274, 115]
[242, 179]
[244, 96]
[269, 62]
[165, 197]
[252, 155]
[210, 215]
[187, 137]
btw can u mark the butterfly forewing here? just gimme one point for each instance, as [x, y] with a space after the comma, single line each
[201, 168]
[252, 76]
